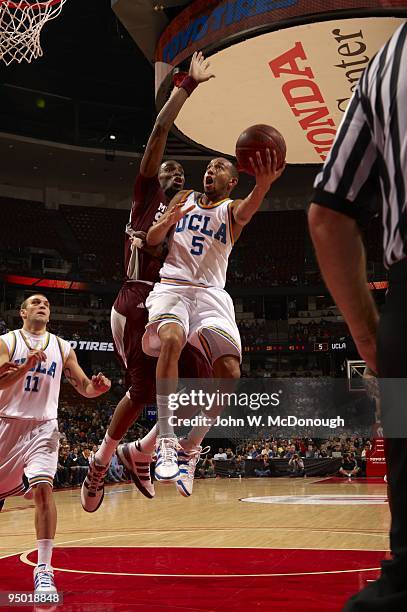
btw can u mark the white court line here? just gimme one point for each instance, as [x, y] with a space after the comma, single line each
[154, 532]
[24, 559]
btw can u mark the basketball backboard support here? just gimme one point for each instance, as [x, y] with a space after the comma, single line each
[355, 369]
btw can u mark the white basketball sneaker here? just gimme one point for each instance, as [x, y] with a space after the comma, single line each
[93, 487]
[138, 465]
[166, 467]
[187, 463]
[44, 579]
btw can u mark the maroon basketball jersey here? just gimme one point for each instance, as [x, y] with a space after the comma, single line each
[149, 204]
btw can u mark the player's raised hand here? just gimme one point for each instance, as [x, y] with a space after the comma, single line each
[199, 68]
[266, 174]
[7, 367]
[176, 213]
[34, 357]
[100, 383]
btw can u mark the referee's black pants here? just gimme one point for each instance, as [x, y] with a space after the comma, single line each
[389, 593]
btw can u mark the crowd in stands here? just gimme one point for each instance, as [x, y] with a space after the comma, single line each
[317, 331]
[353, 451]
[257, 332]
[271, 250]
[82, 424]
[284, 448]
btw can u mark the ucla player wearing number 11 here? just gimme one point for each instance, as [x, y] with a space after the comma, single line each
[29, 437]
[190, 303]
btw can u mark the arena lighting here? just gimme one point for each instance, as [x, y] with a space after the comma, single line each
[14, 279]
[292, 64]
[378, 285]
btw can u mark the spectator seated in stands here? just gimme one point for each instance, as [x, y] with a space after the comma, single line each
[62, 475]
[289, 454]
[263, 469]
[367, 450]
[229, 454]
[253, 452]
[267, 451]
[238, 466]
[72, 465]
[220, 455]
[296, 466]
[83, 465]
[93, 451]
[311, 451]
[115, 473]
[206, 467]
[349, 466]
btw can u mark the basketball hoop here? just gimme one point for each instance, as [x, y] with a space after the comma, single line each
[21, 23]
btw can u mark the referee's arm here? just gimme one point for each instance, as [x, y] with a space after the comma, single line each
[338, 203]
[341, 257]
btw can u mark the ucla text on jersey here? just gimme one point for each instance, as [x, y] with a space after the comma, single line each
[201, 224]
[200, 245]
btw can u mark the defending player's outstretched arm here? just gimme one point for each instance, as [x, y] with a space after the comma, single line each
[266, 175]
[153, 155]
[78, 379]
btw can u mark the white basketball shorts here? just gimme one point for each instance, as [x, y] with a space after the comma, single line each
[206, 314]
[27, 447]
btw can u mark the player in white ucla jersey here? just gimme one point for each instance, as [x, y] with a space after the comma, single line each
[190, 303]
[29, 437]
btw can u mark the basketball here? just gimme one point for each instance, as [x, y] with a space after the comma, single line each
[259, 138]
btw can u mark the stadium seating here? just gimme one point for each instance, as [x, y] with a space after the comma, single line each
[270, 251]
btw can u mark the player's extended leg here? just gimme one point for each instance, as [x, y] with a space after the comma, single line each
[41, 460]
[225, 367]
[92, 491]
[192, 364]
[127, 323]
[45, 527]
[172, 339]
[213, 330]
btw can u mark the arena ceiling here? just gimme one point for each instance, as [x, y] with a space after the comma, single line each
[96, 78]
[92, 81]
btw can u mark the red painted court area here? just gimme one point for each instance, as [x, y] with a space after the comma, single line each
[200, 579]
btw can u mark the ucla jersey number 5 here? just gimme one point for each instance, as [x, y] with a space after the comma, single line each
[201, 224]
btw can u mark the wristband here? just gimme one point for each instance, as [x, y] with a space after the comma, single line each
[189, 84]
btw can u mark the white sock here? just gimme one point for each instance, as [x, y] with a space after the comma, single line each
[45, 551]
[104, 454]
[148, 443]
[165, 429]
[197, 434]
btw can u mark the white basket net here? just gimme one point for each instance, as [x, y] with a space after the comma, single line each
[21, 23]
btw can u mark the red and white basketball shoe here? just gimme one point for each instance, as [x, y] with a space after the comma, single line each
[138, 465]
[93, 487]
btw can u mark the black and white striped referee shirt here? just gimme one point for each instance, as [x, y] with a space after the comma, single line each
[370, 151]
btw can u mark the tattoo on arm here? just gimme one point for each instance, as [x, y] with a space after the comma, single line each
[79, 385]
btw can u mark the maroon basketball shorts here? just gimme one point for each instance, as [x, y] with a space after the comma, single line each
[129, 318]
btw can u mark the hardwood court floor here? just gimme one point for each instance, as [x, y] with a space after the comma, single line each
[318, 544]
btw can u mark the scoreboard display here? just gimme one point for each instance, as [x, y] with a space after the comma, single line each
[322, 347]
[331, 345]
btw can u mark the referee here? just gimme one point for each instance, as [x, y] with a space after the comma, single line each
[369, 156]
